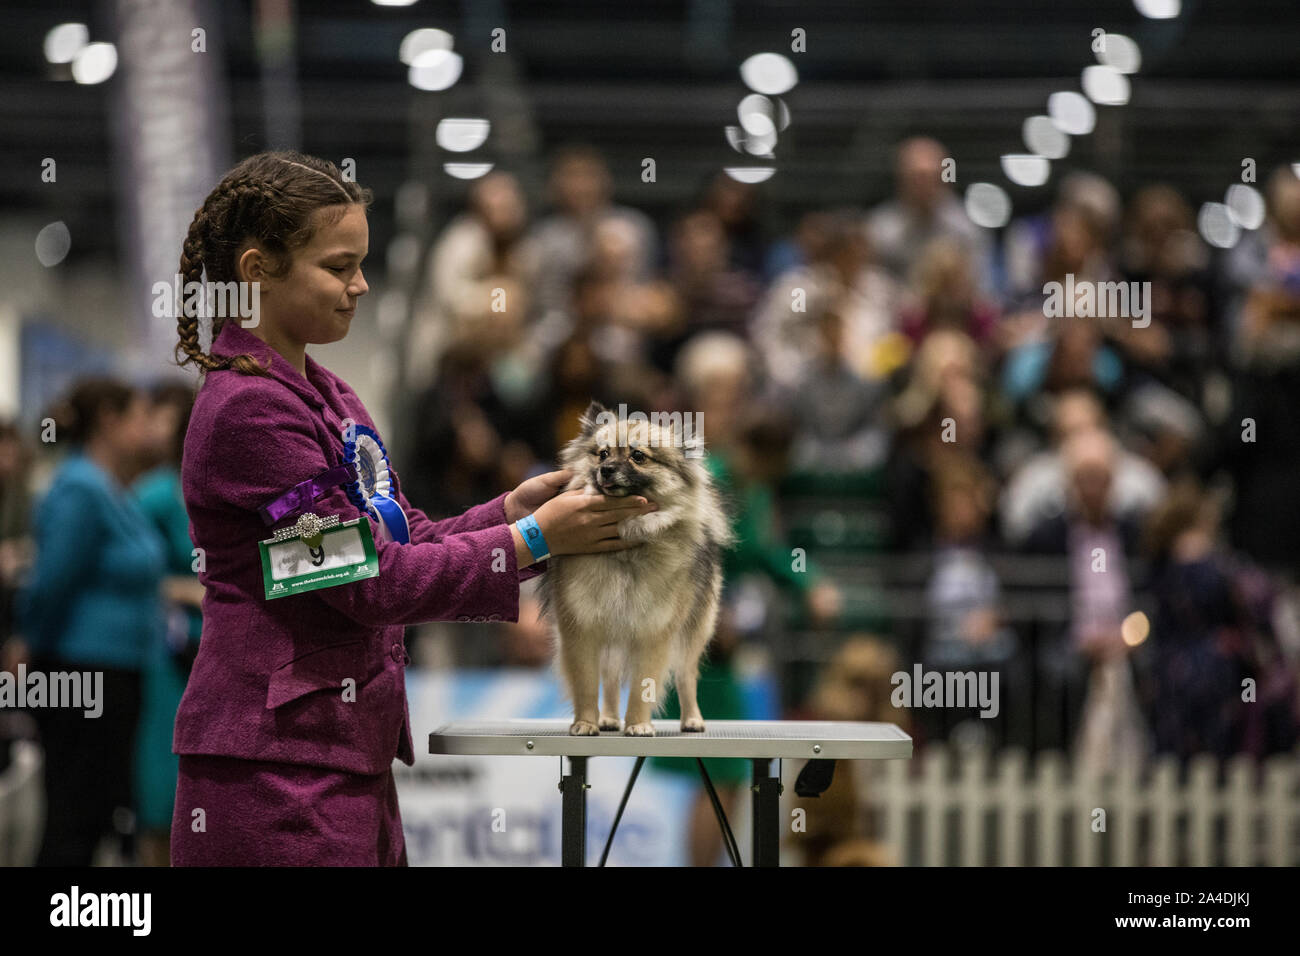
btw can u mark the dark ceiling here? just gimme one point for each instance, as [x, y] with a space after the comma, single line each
[660, 79]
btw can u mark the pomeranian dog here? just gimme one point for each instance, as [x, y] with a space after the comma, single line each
[641, 616]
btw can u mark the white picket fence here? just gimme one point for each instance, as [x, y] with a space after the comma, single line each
[971, 809]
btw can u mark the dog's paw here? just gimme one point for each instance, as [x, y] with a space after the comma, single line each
[692, 725]
[639, 730]
[583, 728]
[611, 723]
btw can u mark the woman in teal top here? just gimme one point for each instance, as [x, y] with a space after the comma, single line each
[91, 607]
[158, 493]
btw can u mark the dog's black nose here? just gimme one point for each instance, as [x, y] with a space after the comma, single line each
[606, 471]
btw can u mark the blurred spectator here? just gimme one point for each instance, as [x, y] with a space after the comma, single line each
[805, 245]
[839, 412]
[735, 204]
[840, 277]
[560, 245]
[1032, 242]
[965, 627]
[1166, 429]
[924, 208]
[92, 604]
[576, 377]
[939, 417]
[1092, 654]
[620, 313]
[468, 440]
[477, 291]
[1161, 246]
[1036, 491]
[718, 375]
[168, 661]
[944, 294]
[714, 295]
[1259, 439]
[1261, 270]
[1042, 354]
[1208, 638]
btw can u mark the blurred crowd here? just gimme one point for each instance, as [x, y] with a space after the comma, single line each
[1147, 455]
[896, 348]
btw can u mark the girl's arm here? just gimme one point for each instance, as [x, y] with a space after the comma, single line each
[426, 529]
[265, 442]
[487, 515]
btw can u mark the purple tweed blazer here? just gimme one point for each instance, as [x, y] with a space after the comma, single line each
[268, 681]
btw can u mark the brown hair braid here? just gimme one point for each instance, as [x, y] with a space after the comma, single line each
[277, 200]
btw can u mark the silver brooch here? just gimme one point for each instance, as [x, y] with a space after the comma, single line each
[308, 527]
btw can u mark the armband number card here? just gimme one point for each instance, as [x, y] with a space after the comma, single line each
[317, 553]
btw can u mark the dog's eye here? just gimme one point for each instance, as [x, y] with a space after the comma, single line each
[603, 454]
[638, 456]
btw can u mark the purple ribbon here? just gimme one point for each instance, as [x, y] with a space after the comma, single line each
[305, 492]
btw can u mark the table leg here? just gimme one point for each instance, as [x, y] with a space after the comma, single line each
[573, 817]
[767, 814]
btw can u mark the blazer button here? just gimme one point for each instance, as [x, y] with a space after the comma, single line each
[398, 652]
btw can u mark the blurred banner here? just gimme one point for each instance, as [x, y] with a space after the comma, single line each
[171, 146]
[450, 804]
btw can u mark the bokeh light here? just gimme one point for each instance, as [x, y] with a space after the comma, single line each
[988, 205]
[1120, 53]
[1072, 113]
[64, 42]
[1042, 138]
[422, 41]
[467, 170]
[462, 134]
[1135, 629]
[769, 73]
[95, 63]
[435, 70]
[1105, 85]
[1245, 205]
[1025, 169]
[1159, 9]
[1217, 226]
[53, 243]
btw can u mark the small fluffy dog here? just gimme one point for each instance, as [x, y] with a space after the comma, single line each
[641, 616]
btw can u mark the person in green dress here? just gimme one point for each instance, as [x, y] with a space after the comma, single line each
[745, 472]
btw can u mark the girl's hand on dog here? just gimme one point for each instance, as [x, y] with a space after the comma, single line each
[575, 522]
[535, 492]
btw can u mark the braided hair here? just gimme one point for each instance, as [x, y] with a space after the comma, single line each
[271, 199]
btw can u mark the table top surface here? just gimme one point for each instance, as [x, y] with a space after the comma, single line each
[752, 739]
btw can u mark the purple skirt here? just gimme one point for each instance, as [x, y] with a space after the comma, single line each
[276, 814]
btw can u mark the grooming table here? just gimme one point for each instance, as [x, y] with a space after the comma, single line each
[760, 741]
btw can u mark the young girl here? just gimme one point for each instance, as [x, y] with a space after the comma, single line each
[296, 706]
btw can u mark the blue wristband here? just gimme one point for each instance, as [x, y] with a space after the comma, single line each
[533, 537]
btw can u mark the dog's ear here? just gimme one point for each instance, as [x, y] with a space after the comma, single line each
[591, 417]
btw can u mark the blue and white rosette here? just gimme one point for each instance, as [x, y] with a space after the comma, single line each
[372, 491]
